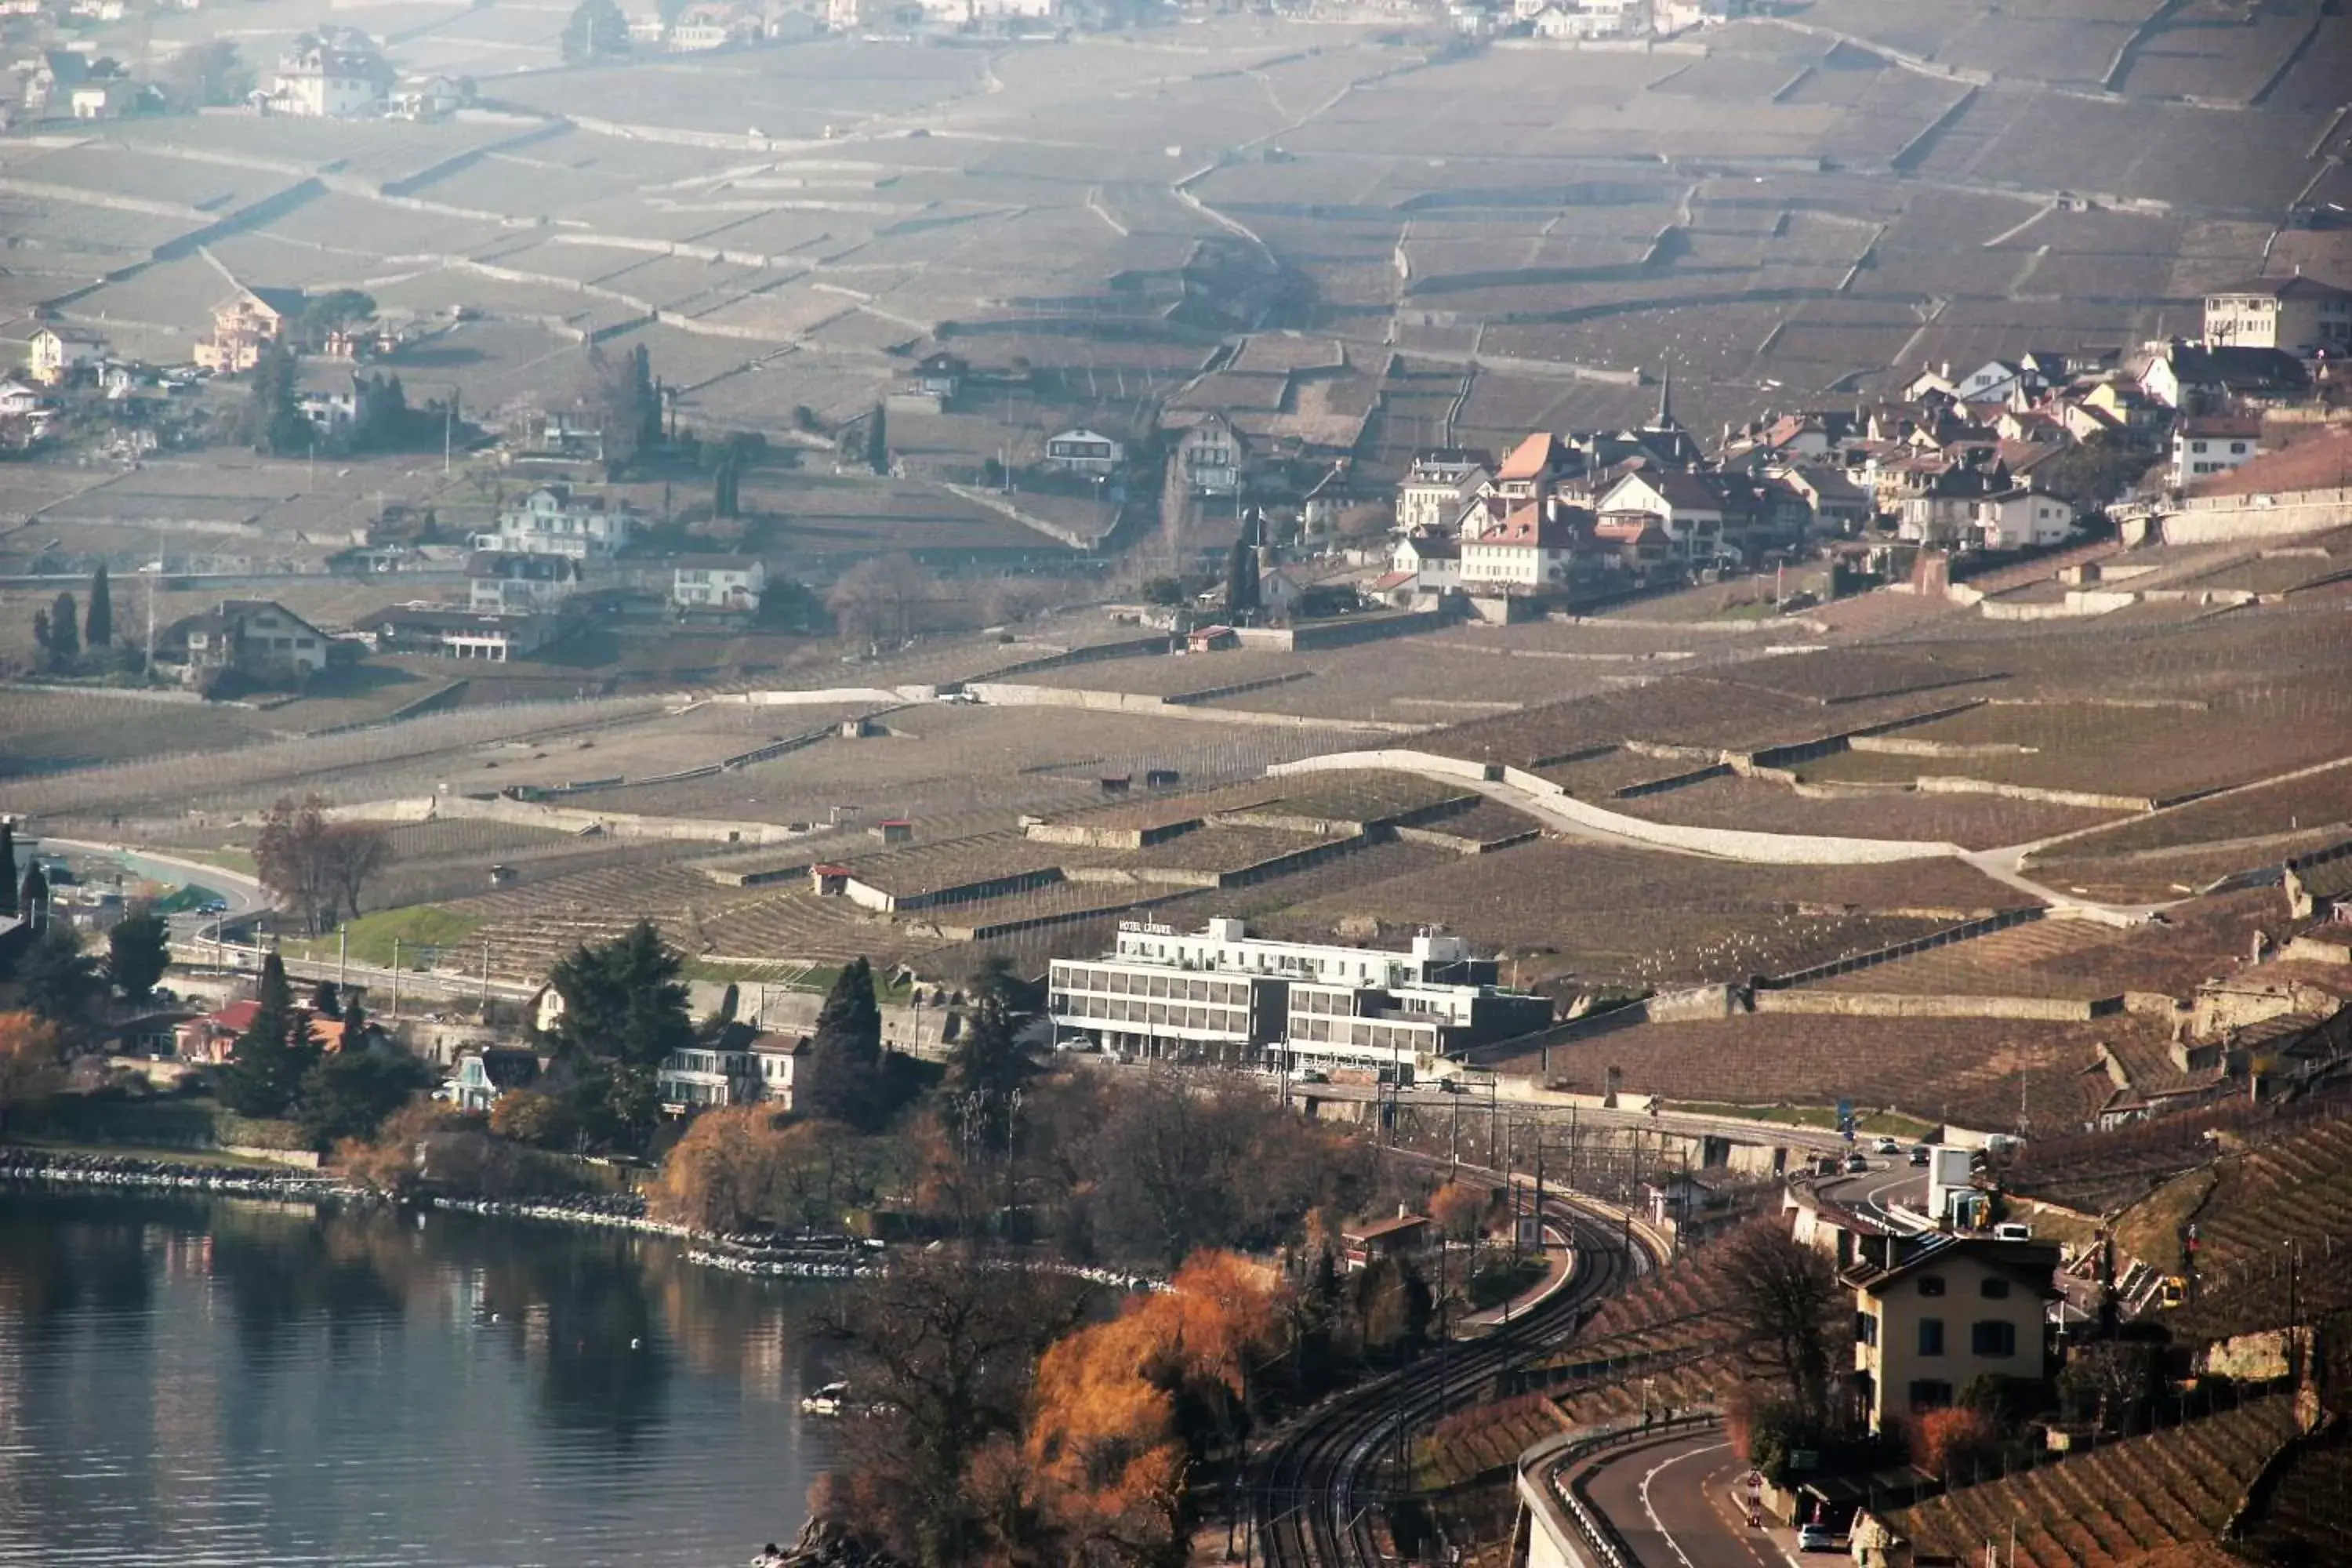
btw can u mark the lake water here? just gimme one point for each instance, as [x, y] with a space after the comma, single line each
[213, 1380]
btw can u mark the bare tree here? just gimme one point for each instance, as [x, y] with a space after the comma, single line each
[1786, 1303]
[316, 866]
[945, 1347]
[883, 597]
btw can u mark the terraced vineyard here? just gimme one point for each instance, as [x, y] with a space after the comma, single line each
[2114, 1504]
[2279, 1221]
[1973, 1071]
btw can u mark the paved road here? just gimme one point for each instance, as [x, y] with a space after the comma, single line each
[1677, 1504]
[1891, 1180]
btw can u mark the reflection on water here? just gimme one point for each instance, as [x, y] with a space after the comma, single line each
[213, 1380]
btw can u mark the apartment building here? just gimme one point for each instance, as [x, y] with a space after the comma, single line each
[1221, 995]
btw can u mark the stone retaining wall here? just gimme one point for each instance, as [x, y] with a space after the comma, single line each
[1889, 1004]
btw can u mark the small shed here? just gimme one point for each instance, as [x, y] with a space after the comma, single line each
[1368, 1243]
[1117, 784]
[1160, 778]
[895, 830]
[503, 876]
[828, 881]
[1209, 639]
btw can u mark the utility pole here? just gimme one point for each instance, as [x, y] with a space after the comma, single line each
[1455, 1153]
[395, 977]
[342, 958]
[486, 977]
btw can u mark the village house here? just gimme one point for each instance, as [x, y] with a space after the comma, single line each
[2021, 518]
[1212, 455]
[1532, 468]
[1689, 507]
[1839, 505]
[103, 98]
[1529, 548]
[2212, 444]
[54, 356]
[941, 376]
[257, 637]
[501, 582]
[1433, 559]
[1942, 509]
[334, 73]
[732, 582]
[1438, 485]
[2190, 378]
[483, 1074]
[1085, 452]
[2300, 315]
[1933, 1314]
[18, 400]
[551, 520]
[244, 325]
[455, 632]
[48, 86]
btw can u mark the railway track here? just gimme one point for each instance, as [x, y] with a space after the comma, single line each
[1312, 1499]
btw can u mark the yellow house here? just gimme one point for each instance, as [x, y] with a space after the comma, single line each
[1935, 1312]
[54, 355]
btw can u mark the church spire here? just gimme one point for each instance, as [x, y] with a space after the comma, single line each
[1665, 419]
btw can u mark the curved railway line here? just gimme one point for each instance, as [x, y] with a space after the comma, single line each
[1311, 1500]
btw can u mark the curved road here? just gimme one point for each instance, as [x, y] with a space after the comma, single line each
[1677, 1505]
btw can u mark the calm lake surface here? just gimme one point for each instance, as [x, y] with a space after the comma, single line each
[215, 1381]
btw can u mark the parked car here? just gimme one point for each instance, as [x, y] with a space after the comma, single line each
[1815, 1538]
[1887, 1146]
[2009, 1230]
[1309, 1074]
[1453, 1085]
[1855, 1165]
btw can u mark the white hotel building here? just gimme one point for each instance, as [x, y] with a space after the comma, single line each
[1222, 995]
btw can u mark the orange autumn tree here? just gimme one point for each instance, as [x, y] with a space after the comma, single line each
[1105, 1460]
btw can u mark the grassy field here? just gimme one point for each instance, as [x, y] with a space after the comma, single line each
[370, 938]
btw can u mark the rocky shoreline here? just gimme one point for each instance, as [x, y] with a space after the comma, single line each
[133, 1173]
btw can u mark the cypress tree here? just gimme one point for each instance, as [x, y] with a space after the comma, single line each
[33, 895]
[877, 441]
[99, 627]
[65, 628]
[7, 868]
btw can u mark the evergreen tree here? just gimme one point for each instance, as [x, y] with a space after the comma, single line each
[266, 1067]
[355, 1021]
[326, 1001]
[273, 418]
[65, 629]
[988, 1067]
[99, 628]
[58, 979]
[842, 1079]
[647, 392]
[624, 1012]
[7, 868]
[33, 895]
[877, 441]
[138, 951]
[598, 28]
[41, 630]
[1241, 582]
